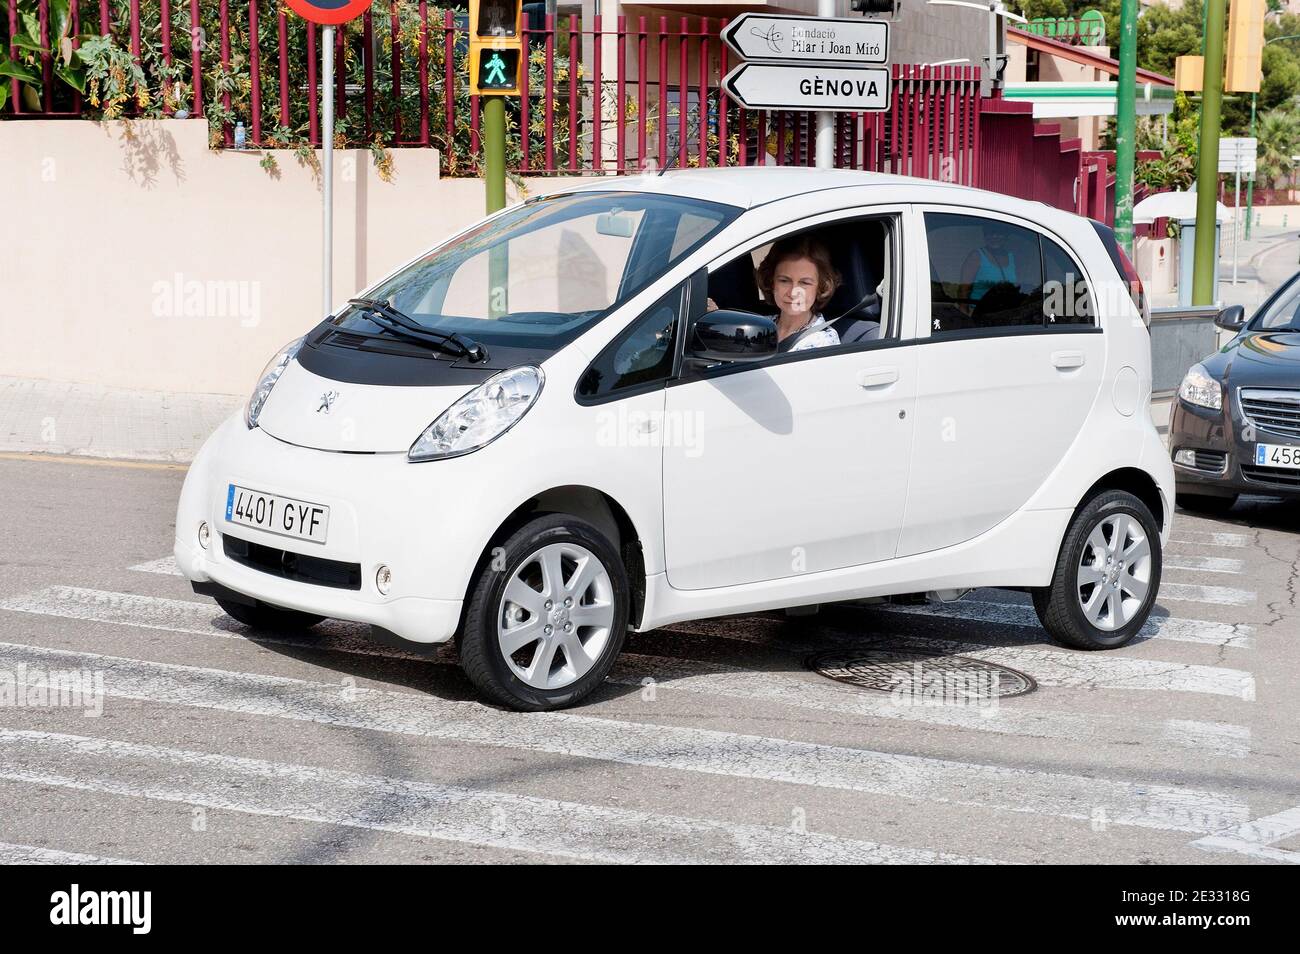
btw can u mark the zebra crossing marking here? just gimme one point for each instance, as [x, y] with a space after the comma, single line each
[1213, 538]
[11, 854]
[1258, 838]
[421, 809]
[1204, 564]
[1061, 668]
[188, 617]
[1177, 629]
[164, 565]
[703, 751]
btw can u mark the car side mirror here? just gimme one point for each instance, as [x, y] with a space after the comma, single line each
[1232, 318]
[732, 336]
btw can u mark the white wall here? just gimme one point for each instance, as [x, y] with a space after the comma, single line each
[137, 257]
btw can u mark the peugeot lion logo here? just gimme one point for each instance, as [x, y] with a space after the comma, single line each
[327, 401]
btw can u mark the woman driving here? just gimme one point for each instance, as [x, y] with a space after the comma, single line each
[797, 276]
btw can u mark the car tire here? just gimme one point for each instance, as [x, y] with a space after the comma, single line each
[1204, 503]
[262, 616]
[1102, 591]
[522, 645]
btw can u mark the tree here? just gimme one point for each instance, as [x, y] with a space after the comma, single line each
[1279, 139]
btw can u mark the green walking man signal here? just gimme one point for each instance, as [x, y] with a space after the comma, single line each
[495, 47]
[498, 71]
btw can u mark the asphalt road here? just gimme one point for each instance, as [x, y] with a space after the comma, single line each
[713, 742]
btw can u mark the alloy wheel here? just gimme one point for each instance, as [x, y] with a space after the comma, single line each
[1114, 572]
[556, 616]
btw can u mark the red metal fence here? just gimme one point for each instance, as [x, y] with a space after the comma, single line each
[613, 95]
[603, 97]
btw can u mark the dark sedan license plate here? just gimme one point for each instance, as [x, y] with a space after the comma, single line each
[1278, 455]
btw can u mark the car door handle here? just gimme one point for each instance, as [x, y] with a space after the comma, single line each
[877, 377]
[1065, 360]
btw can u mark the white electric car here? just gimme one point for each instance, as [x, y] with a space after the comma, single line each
[575, 419]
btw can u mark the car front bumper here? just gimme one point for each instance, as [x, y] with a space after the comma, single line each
[384, 511]
[1225, 445]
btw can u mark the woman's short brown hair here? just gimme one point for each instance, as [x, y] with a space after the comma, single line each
[800, 246]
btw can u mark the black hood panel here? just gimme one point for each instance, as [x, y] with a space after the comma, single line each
[335, 353]
[1269, 359]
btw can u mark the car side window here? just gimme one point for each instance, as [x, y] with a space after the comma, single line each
[642, 355]
[1067, 299]
[843, 267]
[985, 275]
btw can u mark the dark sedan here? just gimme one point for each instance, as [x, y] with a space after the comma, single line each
[1236, 423]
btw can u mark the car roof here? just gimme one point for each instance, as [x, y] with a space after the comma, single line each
[750, 186]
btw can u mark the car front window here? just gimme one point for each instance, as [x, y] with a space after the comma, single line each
[1283, 313]
[541, 273]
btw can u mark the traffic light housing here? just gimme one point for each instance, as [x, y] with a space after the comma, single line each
[496, 47]
[1244, 55]
[874, 6]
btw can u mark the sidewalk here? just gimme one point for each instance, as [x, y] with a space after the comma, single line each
[1254, 283]
[80, 420]
[83, 420]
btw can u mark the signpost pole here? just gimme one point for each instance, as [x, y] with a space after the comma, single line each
[1250, 183]
[1236, 212]
[825, 118]
[327, 171]
[328, 14]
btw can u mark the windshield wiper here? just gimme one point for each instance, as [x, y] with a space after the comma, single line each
[403, 325]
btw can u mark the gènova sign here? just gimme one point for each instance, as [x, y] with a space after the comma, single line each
[814, 87]
[814, 63]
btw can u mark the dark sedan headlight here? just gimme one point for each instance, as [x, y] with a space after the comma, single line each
[1200, 389]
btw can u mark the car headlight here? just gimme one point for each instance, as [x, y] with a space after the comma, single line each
[1200, 389]
[481, 416]
[270, 374]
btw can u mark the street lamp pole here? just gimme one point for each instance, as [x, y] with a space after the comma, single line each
[327, 171]
[1126, 124]
[995, 10]
[825, 118]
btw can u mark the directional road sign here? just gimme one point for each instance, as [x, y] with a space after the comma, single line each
[812, 86]
[793, 39]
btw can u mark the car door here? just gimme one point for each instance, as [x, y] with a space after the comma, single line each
[1008, 367]
[799, 463]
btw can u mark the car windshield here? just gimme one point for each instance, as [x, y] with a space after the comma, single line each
[543, 272]
[1283, 312]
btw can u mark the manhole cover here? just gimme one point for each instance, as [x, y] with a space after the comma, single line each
[922, 677]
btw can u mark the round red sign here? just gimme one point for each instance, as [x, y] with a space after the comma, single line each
[328, 12]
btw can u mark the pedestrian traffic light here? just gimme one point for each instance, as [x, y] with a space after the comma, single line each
[495, 47]
[874, 6]
[1245, 46]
